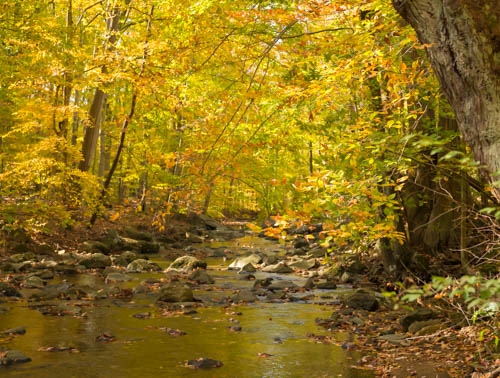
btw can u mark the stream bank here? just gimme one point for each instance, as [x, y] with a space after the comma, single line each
[201, 296]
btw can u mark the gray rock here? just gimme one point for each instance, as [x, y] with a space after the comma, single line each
[317, 252]
[281, 285]
[8, 291]
[15, 331]
[138, 235]
[416, 316]
[350, 278]
[328, 285]
[362, 300]
[176, 293]
[139, 246]
[11, 357]
[117, 277]
[96, 261]
[244, 295]
[424, 326]
[68, 269]
[95, 246]
[186, 264]
[32, 282]
[269, 260]
[309, 285]
[303, 264]
[46, 274]
[240, 262]
[280, 267]
[20, 257]
[142, 265]
[201, 277]
[125, 258]
[203, 363]
[248, 268]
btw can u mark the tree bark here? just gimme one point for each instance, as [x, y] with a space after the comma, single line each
[463, 45]
[93, 124]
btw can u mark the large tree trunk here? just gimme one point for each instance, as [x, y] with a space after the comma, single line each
[463, 45]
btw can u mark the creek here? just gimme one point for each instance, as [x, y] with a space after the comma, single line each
[150, 341]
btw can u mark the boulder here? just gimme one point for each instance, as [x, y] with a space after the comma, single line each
[269, 260]
[32, 282]
[281, 285]
[416, 316]
[20, 257]
[280, 267]
[303, 264]
[203, 363]
[15, 331]
[142, 265]
[362, 300]
[186, 264]
[139, 246]
[125, 258]
[95, 246]
[8, 291]
[245, 295]
[425, 327]
[327, 285]
[201, 277]
[117, 277]
[138, 234]
[317, 251]
[176, 293]
[240, 262]
[11, 357]
[96, 261]
[248, 268]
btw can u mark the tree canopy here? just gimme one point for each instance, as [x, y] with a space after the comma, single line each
[304, 111]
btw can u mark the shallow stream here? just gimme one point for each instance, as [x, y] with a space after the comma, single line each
[272, 342]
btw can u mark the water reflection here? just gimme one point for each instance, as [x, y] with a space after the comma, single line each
[143, 348]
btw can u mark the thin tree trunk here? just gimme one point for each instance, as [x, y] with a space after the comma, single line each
[94, 120]
[123, 132]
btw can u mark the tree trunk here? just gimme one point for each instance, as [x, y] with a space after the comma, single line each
[94, 121]
[463, 45]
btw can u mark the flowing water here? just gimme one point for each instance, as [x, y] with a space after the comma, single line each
[272, 342]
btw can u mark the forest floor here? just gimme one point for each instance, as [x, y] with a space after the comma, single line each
[452, 351]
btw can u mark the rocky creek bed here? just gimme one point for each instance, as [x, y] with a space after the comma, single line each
[129, 303]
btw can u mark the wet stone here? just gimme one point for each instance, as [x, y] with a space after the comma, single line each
[176, 293]
[186, 264]
[9, 291]
[15, 331]
[362, 300]
[96, 261]
[416, 316]
[240, 262]
[125, 258]
[33, 282]
[117, 277]
[280, 267]
[203, 363]
[201, 277]
[244, 295]
[11, 357]
[142, 265]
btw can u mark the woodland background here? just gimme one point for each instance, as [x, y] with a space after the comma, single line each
[306, 112]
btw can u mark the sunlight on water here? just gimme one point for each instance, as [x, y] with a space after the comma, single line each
[272, 341]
